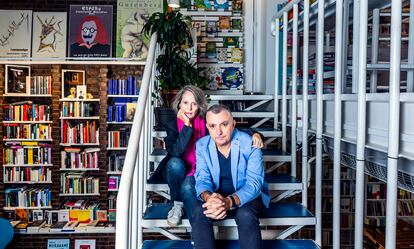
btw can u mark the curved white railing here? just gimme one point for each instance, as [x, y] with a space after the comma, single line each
[123, 203]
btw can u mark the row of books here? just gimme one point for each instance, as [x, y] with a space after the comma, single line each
[27, 197]
[376, 190]
[26, 174]
[18, 153]
[26, 111]
[112, 201]
[234, 55]
[116, 162]
[80, 133]
[113, 182]
[78, 109]
[40, 84]
[27, 131]
[75, 158]
[121, 112]
[119, 138]
[75, 183]
[127, 86]
[211, 28]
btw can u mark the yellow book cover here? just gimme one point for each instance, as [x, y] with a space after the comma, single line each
[30, 155]
[81, 216]
[29, 143]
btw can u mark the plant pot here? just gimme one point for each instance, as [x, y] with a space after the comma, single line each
[162, 116]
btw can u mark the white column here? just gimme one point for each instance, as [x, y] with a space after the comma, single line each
[319, 121]
[277, 59]
[338, 127]
[394, 125]
[345, 44]
[361, 126]
[355, 47]
[284, 81]
[294, 84]
[305, 103]
[374, 49]
[410, 73]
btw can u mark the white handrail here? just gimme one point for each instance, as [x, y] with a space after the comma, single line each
[124, 193]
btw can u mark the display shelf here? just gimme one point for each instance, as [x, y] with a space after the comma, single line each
[72, 61]
[79, 169]
[27, 165]
[28, 182]
[27, 122]
[116, 148]
[84, 144]
[81, 118]
[114, 173]
[14, 208]
[26, 140]
[120, 123]
[28, 95]
[113, 190]
[79, 100]
[80, 195]
[122, 96]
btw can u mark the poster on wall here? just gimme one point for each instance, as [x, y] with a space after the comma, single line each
[90, 31]
[58, 243]
[49, 34]
[15, 33]
[17, 80]
[131, 17]
[85, 244]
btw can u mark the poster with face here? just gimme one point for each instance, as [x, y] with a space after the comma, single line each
[49, 34]
[15, 33]
[131, 17]
[90, 33]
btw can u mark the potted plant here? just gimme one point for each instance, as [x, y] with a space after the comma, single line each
[174, 66]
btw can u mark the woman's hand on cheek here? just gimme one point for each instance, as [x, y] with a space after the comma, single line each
[181, 115]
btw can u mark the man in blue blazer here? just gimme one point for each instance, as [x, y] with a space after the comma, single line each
[229, 182]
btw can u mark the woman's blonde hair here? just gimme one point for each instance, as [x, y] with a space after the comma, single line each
[199, 97]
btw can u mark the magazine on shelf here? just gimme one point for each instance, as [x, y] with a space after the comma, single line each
[15, 33]
[17, 80]
[131, 17]
[58, 243]
[90, 30]
[49, 34]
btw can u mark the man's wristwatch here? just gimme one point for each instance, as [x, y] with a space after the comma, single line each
[233, 202]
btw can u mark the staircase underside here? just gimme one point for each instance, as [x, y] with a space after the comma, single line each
[230, 244]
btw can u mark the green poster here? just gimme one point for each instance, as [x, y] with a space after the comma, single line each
[131, 17]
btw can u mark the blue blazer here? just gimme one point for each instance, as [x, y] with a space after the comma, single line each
[247, 168]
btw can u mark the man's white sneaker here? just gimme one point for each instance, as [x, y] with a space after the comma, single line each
[175, 214]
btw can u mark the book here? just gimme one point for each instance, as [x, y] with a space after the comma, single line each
[90, 30]
[58, 243]
[70, 226]
[58, 226]
[102, 215]
[231, 41]
[130, 111]
[49, 34]
[236, 24]
[211, 49]
[221, 54]
[236, 55]
[211, 28]
[221, 4]
[35, 226]
[237, 6]
[22, 225]
[85, 244]
[224, 23]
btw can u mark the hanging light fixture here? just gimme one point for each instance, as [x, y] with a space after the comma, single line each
[174, 4]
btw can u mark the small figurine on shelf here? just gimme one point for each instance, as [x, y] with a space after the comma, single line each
[89, 96]
[72, 92]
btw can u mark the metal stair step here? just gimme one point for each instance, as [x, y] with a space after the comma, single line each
[273, 155]
[278, 214]
[231, 244]
[275, 182]
[265, 131]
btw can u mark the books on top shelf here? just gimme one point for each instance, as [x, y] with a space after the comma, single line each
[80, 133]
[127, 86]
[19, 153]
[26, 111]
[78, 184]
[25, 174]
[76, 158]
[117, 139]
[27, 197]
[27, 131]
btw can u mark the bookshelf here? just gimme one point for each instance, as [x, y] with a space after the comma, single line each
[376, 203]
[27, 140]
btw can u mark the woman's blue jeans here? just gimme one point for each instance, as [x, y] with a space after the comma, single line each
[182, 187]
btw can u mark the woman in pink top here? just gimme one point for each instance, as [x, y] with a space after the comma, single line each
[178, 166]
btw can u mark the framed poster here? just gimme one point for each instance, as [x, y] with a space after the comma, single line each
[90, 31]
[71, 79]
[131, 17]
[85, 244]
[58, 243]
[49, 34]
[17, 80]
[15, 33]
